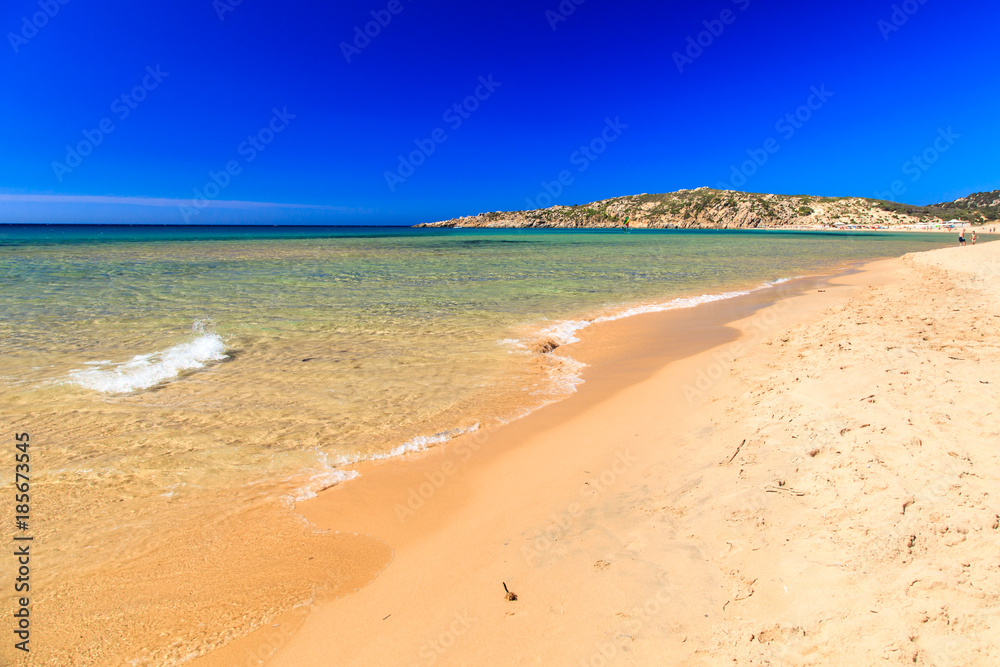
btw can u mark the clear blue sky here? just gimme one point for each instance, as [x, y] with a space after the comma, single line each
[212, 75]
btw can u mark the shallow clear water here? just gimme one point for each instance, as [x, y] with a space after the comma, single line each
[179, 358]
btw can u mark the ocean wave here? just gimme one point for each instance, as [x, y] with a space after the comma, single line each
[147, 370]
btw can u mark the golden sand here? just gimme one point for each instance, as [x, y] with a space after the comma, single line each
[815, 488]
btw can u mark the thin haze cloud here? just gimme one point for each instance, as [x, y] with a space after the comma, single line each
[112, 209]
[160, 201]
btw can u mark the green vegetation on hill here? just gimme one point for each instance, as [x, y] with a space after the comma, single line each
[977, 207]
[957, 210]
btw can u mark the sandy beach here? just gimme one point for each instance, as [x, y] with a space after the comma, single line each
[803, 475]
[605, 335]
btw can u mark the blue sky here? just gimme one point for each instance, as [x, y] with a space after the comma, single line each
[280, 113]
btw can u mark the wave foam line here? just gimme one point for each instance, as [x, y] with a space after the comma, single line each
[565, 375]
[146, 370]
[320, 482]
[422, 442]
[417, 444]
[332, 474]
[564, 332]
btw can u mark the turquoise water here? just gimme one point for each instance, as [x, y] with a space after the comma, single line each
[195, 357]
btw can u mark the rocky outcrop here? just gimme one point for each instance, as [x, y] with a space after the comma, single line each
[705, 208]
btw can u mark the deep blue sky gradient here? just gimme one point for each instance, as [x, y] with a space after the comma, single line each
[607, 60]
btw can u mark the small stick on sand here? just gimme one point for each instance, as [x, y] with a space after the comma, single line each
[775, 489]
[737, 451]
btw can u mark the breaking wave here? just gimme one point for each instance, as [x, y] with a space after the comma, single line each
[147, 370]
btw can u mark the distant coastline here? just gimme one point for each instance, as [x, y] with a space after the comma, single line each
[706, 208]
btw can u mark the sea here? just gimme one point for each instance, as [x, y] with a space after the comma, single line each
[178, 357]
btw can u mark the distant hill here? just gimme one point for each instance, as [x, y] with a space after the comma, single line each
[984, 202]
[706, 208]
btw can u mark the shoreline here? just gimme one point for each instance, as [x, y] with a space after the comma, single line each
[408, 521]
[546, 341]
[548, 335]
[979, 228]
[798, 489]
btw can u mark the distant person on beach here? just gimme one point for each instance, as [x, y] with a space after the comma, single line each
[973, 238]
[961, 236]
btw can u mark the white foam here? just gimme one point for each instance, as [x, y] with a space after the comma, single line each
[675, 304]
[565, 373]
[417, 444]
[564, 332]
[422, 442]
[146, 370]
[331, 474]
[320, 482]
